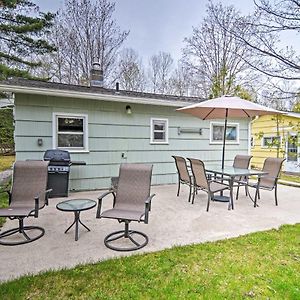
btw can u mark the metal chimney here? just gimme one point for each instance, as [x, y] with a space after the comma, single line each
[96, 75]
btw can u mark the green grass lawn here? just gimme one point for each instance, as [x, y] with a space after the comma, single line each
[3, 203]
[264, 265]
[6, 162]
[292, 178]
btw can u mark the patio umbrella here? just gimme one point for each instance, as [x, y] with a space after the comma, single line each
[227, 107]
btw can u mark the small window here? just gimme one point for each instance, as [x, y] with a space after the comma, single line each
[70, 132]
[271, 141]
[217, 133]
[159, 131]
[292, 148]
[252, 142]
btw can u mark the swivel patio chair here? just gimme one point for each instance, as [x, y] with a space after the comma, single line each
[27, 196]
[183, 174]
[268, 182]
[131, 202]
[201, 182]
[242, 162]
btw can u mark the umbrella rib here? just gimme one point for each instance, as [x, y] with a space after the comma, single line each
[208, 114]
[246, 113]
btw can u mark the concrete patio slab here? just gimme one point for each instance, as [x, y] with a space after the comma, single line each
[173, 221]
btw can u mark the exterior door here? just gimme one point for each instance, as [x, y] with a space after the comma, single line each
[292, 163]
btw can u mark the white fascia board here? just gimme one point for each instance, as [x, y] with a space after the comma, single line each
[94, 96]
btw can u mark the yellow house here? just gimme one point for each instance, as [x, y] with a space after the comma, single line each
[276, 136]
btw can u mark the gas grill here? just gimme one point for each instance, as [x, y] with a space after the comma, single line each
[59, 171]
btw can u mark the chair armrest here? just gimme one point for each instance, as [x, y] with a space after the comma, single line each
[37, 200]
[100, 201]
[148, 207]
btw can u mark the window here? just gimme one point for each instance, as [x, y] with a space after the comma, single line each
[217, 133]
[271, 141]
[252, 142]
[70, 132]
[159, 131]
[292, 148]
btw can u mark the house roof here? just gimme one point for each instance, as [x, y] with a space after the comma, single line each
[293, 114]
[26, 86]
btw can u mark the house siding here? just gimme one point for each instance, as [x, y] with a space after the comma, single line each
[266, 125]
[113, 132]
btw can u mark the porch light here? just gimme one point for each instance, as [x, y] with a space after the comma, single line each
[128, 110]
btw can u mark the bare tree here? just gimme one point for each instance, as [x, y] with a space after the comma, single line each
[85, 32]
[129, 71]
[160, 67]
[180, 81]
[215, 57]
[270, 22]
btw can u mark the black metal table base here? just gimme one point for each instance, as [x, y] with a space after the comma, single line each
[220, 198]
[76, 223]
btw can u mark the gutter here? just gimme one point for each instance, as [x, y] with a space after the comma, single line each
[93, 96]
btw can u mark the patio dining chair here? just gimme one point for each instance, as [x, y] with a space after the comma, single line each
[268, 182]
[201, 182]
[27, 196]
[184, 177]
[131, 202]
[242, 162]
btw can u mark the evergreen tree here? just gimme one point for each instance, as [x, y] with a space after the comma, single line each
[22, 37]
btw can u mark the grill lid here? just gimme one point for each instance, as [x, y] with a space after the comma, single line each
[57, 155]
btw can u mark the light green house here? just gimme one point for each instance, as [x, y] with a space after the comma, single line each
[106, 127]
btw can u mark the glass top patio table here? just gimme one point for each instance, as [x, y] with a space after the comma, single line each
[76, 206]
[233, 172]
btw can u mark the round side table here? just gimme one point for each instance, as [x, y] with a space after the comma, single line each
[76, 206]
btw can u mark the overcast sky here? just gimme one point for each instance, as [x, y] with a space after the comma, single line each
[157, 25]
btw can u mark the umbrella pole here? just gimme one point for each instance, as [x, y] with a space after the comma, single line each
[224, 138]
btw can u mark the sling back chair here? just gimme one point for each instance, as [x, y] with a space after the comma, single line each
[268, 182]
[27, 196]
[131, 202]
[201, 182]
[242, 162]
[183, 174]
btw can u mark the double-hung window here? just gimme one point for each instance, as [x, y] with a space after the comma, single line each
[159, 131]
[217, 133]
[70, 132]
[271, 141]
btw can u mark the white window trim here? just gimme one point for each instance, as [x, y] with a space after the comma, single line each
[85, 131]
[237, 125]
[270, 147]
[166, 132]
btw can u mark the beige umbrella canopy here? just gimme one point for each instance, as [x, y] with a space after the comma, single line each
[227, 107]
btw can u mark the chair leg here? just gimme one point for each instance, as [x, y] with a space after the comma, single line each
[194, 192]
[237, 192]
[276, 201]
[247, 189]
[246, 186]
[178, 190]
[190, 194]
[126, 234]
[21, 231]
[208, 201]
[256, 196]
